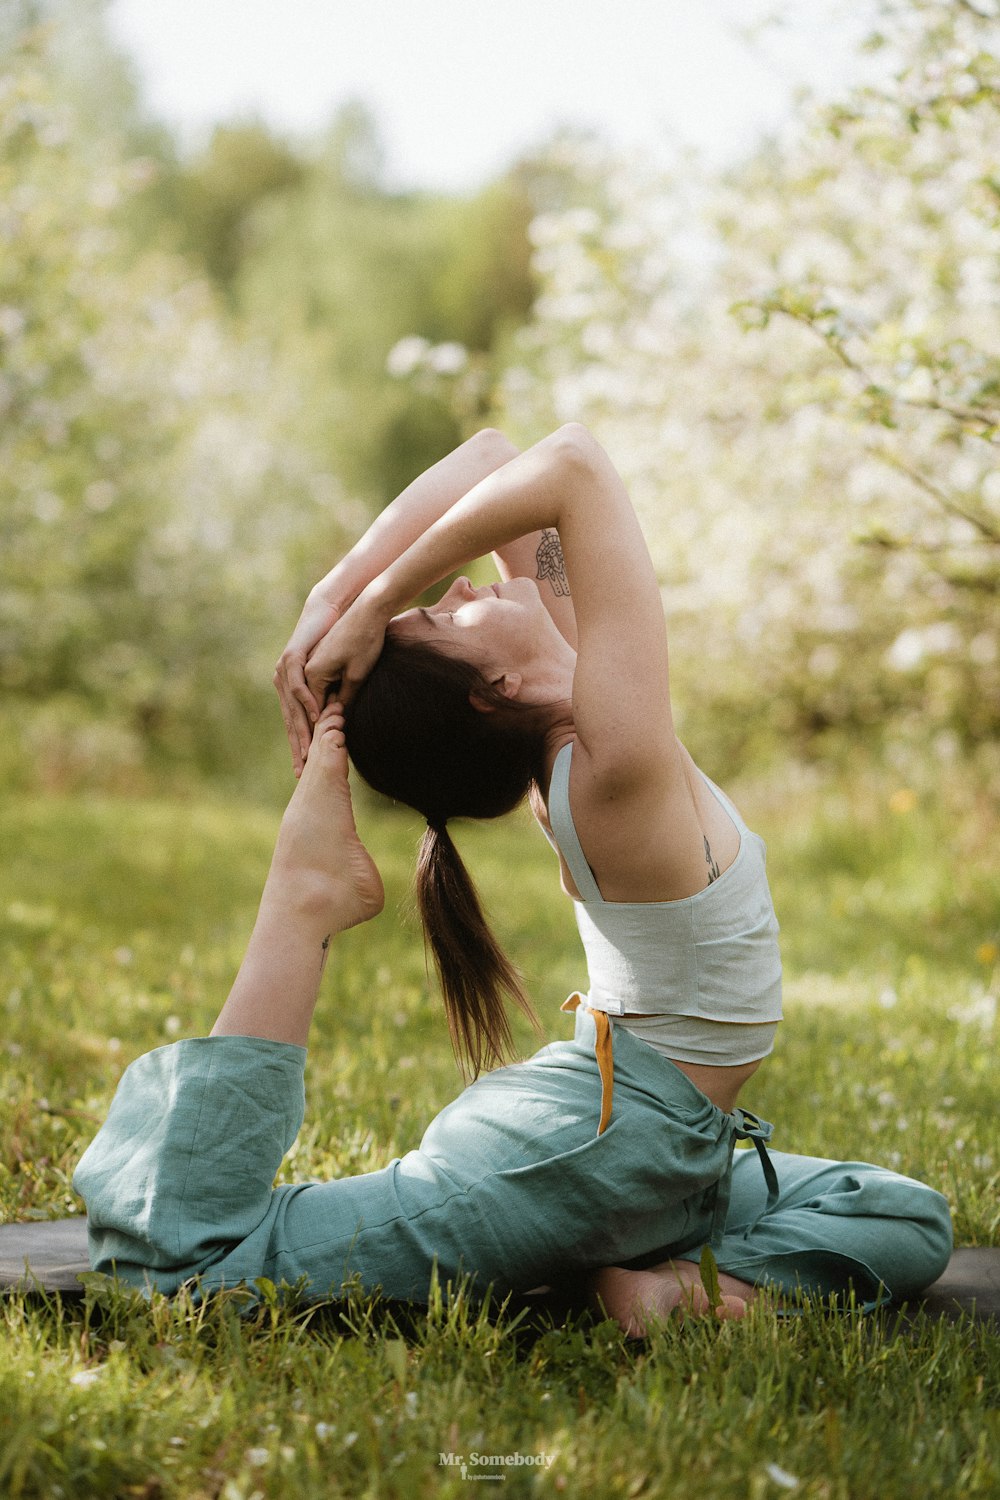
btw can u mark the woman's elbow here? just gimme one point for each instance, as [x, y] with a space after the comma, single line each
[576, 444]
[495, 445]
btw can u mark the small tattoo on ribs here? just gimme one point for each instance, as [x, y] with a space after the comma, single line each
[713, 868]
[551, 563]
[326, 949]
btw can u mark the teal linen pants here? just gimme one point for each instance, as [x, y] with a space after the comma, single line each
[511, 1184]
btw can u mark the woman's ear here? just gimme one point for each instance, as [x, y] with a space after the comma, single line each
[508, 683]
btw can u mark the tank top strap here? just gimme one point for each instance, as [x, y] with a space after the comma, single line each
[725, 803]
[566, 837]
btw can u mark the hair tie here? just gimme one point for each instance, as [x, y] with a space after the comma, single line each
[437, 825]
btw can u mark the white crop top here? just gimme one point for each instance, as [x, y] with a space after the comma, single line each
[699, 977]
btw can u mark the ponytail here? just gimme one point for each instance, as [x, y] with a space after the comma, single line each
[414, 735]
[475, 972]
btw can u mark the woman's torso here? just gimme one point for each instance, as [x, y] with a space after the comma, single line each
[647, 868]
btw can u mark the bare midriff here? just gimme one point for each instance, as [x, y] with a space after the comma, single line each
[722, 1085]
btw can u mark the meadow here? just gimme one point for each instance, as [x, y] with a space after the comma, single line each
[122, 923]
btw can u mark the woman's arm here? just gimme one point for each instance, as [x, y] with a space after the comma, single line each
[390, 534]
[566, 484]
[540, 556]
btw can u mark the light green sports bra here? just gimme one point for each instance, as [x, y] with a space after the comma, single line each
[700, 978]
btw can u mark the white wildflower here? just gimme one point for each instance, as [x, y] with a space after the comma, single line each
[406, 356]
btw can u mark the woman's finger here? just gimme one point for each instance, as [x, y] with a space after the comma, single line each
[302, 728]
[293, 738]
[298, 726]
[349, 687]
[320, 680]
[298, 705]
[289, 679]
[298, 687]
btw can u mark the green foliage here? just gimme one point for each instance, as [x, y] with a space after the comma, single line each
[95, 82]
[710, 1277]
[336, 274]
[888, 254]
[152, 502]
[214, 369]
[816, 475]
[217, 194]
[196, 410]
[890, 1061]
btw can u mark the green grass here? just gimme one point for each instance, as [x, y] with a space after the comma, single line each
[121, 925]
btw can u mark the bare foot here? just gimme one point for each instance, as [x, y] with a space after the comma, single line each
[671, 1289]
[319, 861]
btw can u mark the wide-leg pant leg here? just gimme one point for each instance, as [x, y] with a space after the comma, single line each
[179, 1183]
[834, 1225]
[183, 1168]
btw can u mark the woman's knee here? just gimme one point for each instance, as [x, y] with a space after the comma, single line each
[921, 1238]
[938, 1235]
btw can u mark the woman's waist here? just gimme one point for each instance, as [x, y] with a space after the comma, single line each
[699, 1040]
[718, 1057]
[721, 1083]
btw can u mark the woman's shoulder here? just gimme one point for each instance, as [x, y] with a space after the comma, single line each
[663, 840]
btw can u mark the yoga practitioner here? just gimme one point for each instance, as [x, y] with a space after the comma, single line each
[609, 1155]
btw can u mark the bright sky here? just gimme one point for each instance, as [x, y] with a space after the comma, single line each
[461, 86]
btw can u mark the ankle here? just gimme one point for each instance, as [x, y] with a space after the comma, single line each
[303, 897]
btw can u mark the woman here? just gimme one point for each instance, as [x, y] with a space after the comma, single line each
[611, 1154]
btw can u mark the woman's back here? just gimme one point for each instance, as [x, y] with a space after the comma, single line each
[698, 975]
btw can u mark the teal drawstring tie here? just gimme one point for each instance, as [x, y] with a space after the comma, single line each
[751, 1128]
[746, 1127]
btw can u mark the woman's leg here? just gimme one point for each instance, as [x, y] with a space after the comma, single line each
[834, 1228]
[321, 881]
[182, 1172]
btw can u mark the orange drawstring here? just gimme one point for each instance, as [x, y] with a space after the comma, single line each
[604, 1054]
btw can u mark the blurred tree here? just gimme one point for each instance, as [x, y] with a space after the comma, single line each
[888, 255]
[484, 287]
[353, 152]
[167, 459]
[90, 75]
[152, 506]
[337, 270]
[216, 194]
[824, 510]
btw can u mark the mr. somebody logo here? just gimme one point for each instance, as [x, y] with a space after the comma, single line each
[493, 1465]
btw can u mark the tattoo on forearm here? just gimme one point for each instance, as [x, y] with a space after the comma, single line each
[326, 952]
[713, 868]
[551, 563]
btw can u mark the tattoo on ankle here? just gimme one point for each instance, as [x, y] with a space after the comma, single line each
[551, 563]
[713, 868]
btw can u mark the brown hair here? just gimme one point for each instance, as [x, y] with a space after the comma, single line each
[414, 735]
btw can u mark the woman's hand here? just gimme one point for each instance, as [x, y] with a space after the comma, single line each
[299, 706]
[347, 652]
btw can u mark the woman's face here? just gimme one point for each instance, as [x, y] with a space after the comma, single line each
[497, 627]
